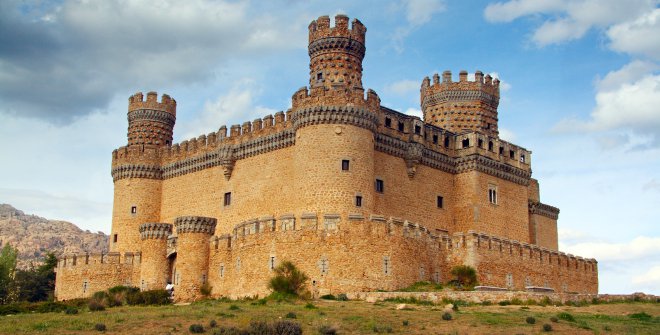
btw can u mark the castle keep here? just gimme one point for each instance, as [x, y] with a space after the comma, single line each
[357, 195]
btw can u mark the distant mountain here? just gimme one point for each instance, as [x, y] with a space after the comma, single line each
[35, 236]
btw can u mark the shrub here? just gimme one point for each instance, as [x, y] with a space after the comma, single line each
[309, 305]
[547, 327]
[446, 316]
[234, 308]
[95, 305]
[213, 324]
[156, 297]
[342, 297]
[288, 279]
[566, 317]
[531, 320]
[465, 276]
[640, 316]
[504, 303]
[545, 301]
[516, 301]
[328, 297]
[206, 289]
[196, 328]
[381, 329]
[100, 327]
[291, 315]
[71, 310]
[281, 296]
[486, 303]
[50, 306]
[554, 319]
[286, 327]
[229, 331]
[327, 330]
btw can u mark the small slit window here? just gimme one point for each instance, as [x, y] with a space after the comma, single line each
[480, 143]
[492, 194]
[446, 142]
[345, 164]
[114, 238]
[380, 186]
[358, 201]
[440, 201]
[512, 154]
[133, 209]
[435, 139]
[490, 145]
[501, 150]
[388, 122]
[227, 199]
[400, 126]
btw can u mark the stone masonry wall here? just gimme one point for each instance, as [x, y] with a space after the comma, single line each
[79, 276]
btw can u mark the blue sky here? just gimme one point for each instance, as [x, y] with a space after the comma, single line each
[580, 88]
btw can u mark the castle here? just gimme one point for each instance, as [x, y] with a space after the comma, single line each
[357, 195]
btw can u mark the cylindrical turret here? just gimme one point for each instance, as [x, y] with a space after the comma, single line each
[151, 122]
[335, 54]
[192, 260]
[335, 123]
[154, 267]
[462, 105]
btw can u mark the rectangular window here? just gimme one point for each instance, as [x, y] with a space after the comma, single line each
[418, 130]
[345, 164]
[480, 143]
[446, 142]
[512, 154]
[501, 150]
[522, 158]
[466, 143]
[380, 186]
[435, 139]
[490, 146]
[114, 238]
[492, 194]
[388, 122]
[133, 209]
[440, 201]
[227, 201]
[400, 126]
[358, 201]
[319, 76]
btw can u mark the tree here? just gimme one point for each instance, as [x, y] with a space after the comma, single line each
[464, 276]
[37, 284]
[288, 279]
[7, 272]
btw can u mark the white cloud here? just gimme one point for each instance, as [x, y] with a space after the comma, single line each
[626, 100]
[404, 87]
[414, 112]
[651, 185]
[235, 106]
[639, 248]
[507, 135]
[641, 36]
[418, 13]
[650, 279]
[568, 20]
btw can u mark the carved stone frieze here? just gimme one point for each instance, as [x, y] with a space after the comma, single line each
[136, 171]
[154, 230]
[195, 224]
[414, 154]
[152, 115]
[334, 115]
[331, 44]
[543, 210]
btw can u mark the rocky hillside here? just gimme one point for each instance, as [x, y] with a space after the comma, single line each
[35, 236]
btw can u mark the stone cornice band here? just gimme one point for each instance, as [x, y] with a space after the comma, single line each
[152, 115]
[195, 224]
[330, 44]
[456, 95]
[354, 116]
[543, 210]
[155, 230]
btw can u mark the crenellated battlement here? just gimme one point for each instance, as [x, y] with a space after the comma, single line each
[320, 28]
[156, 231]
[462, 105]
[137, 102]
[92, 259]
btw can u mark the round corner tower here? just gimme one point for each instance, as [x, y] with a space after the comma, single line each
[151, 122]
[154, 266]
[136, 168]
[463, 106]
[335, 122]
[192, 260]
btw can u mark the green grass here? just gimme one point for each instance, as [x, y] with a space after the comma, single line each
[347, 317]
